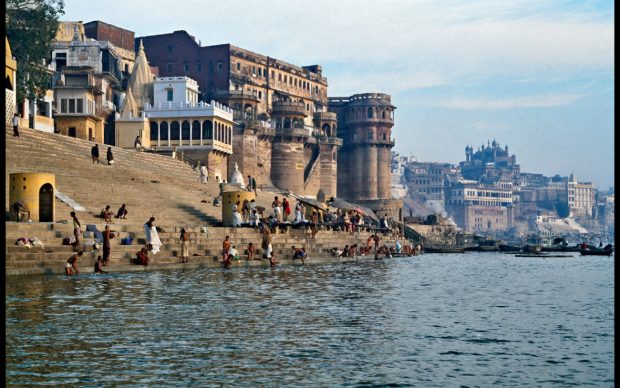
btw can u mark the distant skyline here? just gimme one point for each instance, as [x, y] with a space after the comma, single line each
[538, 76]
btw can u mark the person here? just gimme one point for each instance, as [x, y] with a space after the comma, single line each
[336, 252]
[236, 216]
[254, 185]
[77, 232]
[299, 253]
[184, 237]
[152, 237]
[122, 212]
[72, 264]
[233, 253]
[19, 209]
[107, 236]
[225, 252]
[99, 265]
[376, 238]
[249, 183]
[369, 242]
[298, 216]
[217, 201]
[347, 223]
[204, 174]
[16, 125]
[251, 251]
[277, 211]
[399, 247]
[106, 214]
[345, 251]
[314, 223]
[109, 156]
[267, 247]
[137, 143]
[254, 218]
[287, 208]
[245, 210]
[142, 257]
[94, 152]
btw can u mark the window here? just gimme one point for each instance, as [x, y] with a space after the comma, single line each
[185, 67]
[220, 65]
[285, 78]
[253, 70]
[153, 131]
[273, 74]
[207, 129]
[71, 105]
[370, 136]
[63, 105]
[169, 68]
[384, 136]
[163, 131]
[72, 131]
[170, 49]
[196, 130]
[174, 130]
[290, 80]
[279, 76]
[260, 95]
[185, 132]
[260, 72]
[80, 105]
[369, 115]
[238, 66]
[169, 95]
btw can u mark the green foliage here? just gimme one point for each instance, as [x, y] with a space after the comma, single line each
[31, 26]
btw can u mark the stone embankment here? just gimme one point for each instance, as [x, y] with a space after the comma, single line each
[150, 185]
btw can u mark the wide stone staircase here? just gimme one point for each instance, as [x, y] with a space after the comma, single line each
[150, 185]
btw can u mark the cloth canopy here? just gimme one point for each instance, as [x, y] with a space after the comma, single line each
[342, 204]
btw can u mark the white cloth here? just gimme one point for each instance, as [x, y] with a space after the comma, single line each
[236, 216]
[298, 218]
[268, 251]
[15, 121]
[152, 238]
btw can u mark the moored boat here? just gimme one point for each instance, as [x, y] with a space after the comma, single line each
[589, 250]
[444, 249]
[509, 248]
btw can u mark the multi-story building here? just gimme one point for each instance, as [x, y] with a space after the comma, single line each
[580, 197]
[479, 207]
[283, 134]
[87, 70]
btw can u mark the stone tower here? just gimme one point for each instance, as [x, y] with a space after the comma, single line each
[365, 125]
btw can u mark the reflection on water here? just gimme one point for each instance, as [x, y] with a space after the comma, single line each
[434, 320]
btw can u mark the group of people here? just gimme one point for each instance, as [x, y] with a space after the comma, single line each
[106, 213]
[94, 153]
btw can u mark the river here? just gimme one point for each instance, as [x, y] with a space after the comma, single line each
[473, 319]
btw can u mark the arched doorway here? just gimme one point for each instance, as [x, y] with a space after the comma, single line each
[46, 203]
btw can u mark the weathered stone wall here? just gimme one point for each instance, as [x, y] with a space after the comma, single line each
[329, 170]
[287, 166]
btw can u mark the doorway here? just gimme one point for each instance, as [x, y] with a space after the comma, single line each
[46, 203]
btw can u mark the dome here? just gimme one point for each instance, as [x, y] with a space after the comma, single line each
[237, 177]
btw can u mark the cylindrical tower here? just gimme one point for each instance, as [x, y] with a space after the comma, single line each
[287, 154]
[368, 120]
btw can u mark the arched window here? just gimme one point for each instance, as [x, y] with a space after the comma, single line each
[326, 129]
[196, 130]
[370, 136]
[369, 115]
[383, 113]
[163, 130]
[153, 131]
[207, 129]
[185, 130]
[384, 136]
[174, 130]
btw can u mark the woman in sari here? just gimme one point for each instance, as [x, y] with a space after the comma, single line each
[77, 232]
[236, 216]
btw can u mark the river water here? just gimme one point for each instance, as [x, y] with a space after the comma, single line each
[474, 319]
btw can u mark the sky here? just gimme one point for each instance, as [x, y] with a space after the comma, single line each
[535, 75]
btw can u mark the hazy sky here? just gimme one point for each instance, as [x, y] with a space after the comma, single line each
[536, 75]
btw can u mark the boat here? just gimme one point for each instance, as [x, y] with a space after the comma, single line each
[509, 248]
[444, 249]
[559, 244]
[529, 248]
[589, 250]
[484, 246]
[540, 255]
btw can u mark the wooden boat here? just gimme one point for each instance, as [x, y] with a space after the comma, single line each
[532, 248]
[483, 246]
[509, 248]
[561, 248]
[589, 250]
[444, 249]
[539, 255]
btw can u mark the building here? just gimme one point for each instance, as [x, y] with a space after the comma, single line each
[283, 134]
[581, 197]
[10, 86]
[365, 124]
[490, 161]
[480, 208]
[87, 90]
[179, 122]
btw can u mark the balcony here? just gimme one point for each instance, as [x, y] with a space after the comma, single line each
[286, 108]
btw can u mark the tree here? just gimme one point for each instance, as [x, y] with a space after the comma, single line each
[31, 25]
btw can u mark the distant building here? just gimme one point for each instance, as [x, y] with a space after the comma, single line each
[490, 161]
[480, 208]
[580, 197]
